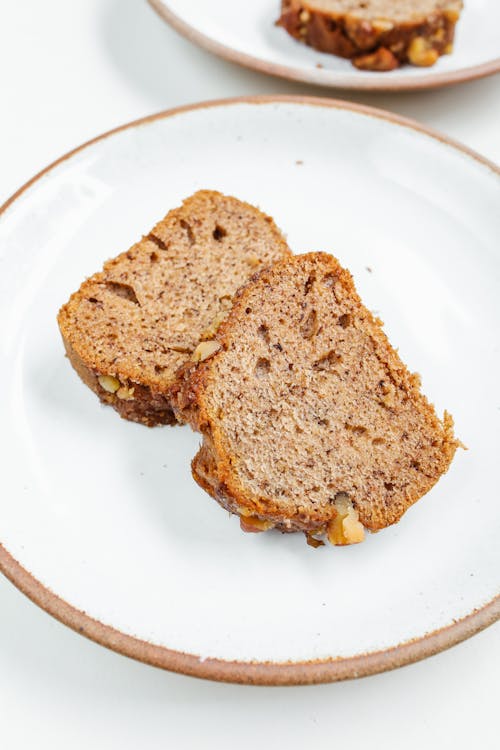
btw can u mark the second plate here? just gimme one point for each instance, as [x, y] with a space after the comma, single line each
[246, 34]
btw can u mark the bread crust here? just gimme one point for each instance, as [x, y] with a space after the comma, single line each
[215, 467]
[148, 407]
[371, 43]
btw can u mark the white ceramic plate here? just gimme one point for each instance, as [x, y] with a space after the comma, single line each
[246, 33]
[100, 521]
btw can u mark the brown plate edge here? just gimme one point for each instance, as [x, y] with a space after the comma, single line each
[322, 77]
[251, 673]
[247, 673]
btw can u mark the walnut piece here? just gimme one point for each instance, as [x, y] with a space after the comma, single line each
[109, 383]
[125, 393]
[382, 59]
[346, 527]
[421, 53]
[204, 350]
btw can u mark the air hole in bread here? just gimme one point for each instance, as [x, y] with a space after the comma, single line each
[339, 497]
[389, 486]
[378, 441]
[190, 234]
[153, 257]
[263, 332]
[219, 233]
[309, 327]
[263, 367]
[309, 282]
[157, 241]
[330, 280]
[122, 290]
[345, 320]
[356, 428]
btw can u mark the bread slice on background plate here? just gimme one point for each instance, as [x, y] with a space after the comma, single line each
[129, 328]
[376, 35]
[310, 420]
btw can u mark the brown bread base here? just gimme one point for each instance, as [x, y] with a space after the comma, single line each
[147, 407]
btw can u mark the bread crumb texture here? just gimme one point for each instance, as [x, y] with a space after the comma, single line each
[310, 420]
[130, 327]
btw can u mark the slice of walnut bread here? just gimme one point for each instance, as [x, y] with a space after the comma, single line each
[129, 328]
[310, 420]
[375, 34]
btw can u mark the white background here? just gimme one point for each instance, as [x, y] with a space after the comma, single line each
[71, 70]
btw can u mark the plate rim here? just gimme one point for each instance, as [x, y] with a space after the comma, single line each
[322, 77]
[269, 673]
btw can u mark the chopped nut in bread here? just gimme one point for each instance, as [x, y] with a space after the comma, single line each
[345, 528]
[421, 52]
[109, 383]
[204, 350]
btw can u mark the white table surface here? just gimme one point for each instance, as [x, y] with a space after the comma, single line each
[69, 71]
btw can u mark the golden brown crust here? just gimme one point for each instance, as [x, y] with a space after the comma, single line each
[378, 44]
[215, 466]
[140, 319]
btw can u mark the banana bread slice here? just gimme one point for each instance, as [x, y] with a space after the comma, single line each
[129, 328]
[375, 34]
[310, 420]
